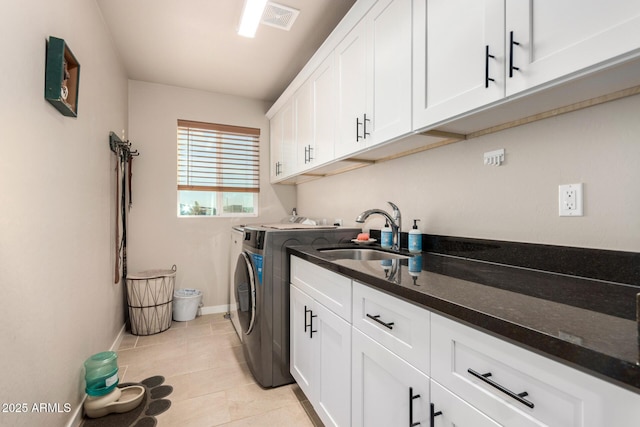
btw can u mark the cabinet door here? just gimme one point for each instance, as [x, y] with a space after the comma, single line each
[275, 146]
[332, 367]
[303, 101]
[458, 57]
[324, 112]
[301, 345]
[387, 391]
[389, 70]
[556, 39]
[282, 142]
[288, 139]
[320, 354]
[351, 69]
[316, 117]
[455, 412]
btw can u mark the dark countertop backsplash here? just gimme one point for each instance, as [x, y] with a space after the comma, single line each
[612, 266]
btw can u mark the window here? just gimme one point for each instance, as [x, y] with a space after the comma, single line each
[218, 169]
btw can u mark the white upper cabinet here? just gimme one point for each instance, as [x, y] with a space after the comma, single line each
[496, 49]
[304, 112]
[351, 67]
[392, 67]
[458, 57]
[283, 147]
[389, 84]
[275, 146]
[316, 117]
[374, 78]
[548, 40]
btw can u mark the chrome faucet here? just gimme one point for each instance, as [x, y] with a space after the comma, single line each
[395, 221]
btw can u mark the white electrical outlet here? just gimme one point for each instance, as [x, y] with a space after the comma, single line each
[570, 200]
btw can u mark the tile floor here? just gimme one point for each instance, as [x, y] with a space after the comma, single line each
[212, 386]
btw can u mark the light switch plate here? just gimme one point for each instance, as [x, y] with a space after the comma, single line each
[570, 200]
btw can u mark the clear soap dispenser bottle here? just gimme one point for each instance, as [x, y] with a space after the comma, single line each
[415, 238]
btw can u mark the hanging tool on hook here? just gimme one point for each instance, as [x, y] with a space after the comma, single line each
[122, 149]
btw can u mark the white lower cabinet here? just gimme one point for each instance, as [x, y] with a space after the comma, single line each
[300, 346]
[516, 387]
[398, 325]
[397, 364]
[387, 391]
[448, 410]
[320, 354]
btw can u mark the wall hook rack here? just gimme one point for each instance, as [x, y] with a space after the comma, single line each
[121, 148]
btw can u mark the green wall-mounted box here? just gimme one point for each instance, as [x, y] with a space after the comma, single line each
[62, 77]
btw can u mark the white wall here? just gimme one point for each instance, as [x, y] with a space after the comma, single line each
[157, 237]
[59, 301]
[453, 193]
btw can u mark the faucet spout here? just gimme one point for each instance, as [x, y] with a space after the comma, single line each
[395, 221]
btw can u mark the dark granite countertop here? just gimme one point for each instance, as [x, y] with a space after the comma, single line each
[588, 324]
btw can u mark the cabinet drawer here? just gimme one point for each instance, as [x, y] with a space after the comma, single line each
[473, 365]
[328, 288]
[400, 326]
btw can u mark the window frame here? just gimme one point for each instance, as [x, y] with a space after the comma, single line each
[216, 150]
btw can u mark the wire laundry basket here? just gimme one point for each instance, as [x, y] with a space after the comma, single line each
[150, 300]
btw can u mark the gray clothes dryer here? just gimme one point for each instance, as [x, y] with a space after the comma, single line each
[262, 296]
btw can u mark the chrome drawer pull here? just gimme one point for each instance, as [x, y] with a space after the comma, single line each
[376, 318]
[517, 396]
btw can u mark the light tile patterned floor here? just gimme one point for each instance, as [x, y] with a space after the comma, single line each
[212, 386]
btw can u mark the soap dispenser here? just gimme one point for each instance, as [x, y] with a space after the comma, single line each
[415, 238]
[386, 236]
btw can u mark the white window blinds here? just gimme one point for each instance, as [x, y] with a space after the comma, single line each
[213, 157]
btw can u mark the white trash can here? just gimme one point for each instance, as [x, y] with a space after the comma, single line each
[185, 304]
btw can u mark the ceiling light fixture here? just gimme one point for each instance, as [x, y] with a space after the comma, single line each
[251, 14]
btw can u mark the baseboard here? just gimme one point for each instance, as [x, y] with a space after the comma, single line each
[214, 309]
[76, 417]
[118, 340]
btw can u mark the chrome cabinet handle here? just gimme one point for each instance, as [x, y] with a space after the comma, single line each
[377, 319]
[517, 396]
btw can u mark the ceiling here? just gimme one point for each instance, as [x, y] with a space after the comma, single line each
[193, 43]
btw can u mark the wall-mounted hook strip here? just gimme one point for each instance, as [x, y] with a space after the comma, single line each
[121, 148]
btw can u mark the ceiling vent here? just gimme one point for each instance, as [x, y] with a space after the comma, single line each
[279, 16]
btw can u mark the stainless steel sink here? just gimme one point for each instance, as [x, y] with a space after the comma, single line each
[362, 254]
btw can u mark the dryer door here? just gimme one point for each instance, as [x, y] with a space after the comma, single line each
[245, 293]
